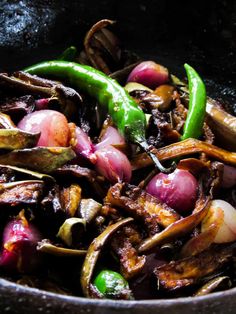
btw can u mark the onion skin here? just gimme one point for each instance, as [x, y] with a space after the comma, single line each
[149, 74]
[52, 125]
[178, 189]
[111, 136]
[227, 230]
[113, 164]
[19, 252]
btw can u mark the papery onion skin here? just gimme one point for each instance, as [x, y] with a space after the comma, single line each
[227, 231]
[178, 189]
[52, 125]
[111, 136]
[113, 164]
[19, 252]
[149, 74]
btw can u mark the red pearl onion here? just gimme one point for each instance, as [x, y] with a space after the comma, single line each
[178, 189]
[149, 74]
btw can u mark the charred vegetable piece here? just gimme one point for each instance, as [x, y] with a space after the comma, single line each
[19, 246]
[112, 285]
[6, 122]
[197, 105]
[203, 240]
[72, 230]
[46, 247]
[89, 209]
[178, 228]
[17, 107]
[190, 271]
[70, 199]
[43, 159]
[216, 284]
[142, 205]
[17, 139]
[93, 253]
[126, 115]
[184, 148]
[123, 245]
[21, 192]
[23, 171]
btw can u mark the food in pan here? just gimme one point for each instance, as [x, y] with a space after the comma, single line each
[115, 178]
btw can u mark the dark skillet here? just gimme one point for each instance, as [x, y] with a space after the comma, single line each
[201, 33]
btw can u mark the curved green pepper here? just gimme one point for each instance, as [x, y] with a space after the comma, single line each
[111, 284]
[197, 105]
[126, 115]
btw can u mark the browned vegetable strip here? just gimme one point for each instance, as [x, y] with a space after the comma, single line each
[214, 284]
[189, 271]
[95, 59]
[93, 253]
[183, 148]
[123, 245]
[38, 175]
[70, 198]
[17, 139]
[21, 192]
[6, 122]
[49, 248]
[202, 241]
[178, 228]
[43, 159]
[141, 204]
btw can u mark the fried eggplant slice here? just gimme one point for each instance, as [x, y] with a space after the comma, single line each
[42, 159]
[192, 270]
[17, 139]
[123, 246]
[140, 204]
[21, 192]
[93, 253]
[184, 148]
[70, 199]
[178, 228]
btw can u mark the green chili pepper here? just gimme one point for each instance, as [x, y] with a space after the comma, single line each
[197, 105]
[126, 115]
[111, 284]
[68, 54]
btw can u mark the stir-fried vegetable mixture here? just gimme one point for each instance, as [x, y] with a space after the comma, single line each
[115, 178]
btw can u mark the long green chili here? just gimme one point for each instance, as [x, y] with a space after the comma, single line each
[197, 105]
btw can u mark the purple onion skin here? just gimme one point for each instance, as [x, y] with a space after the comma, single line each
[178, 189]
[19, 252]
[84, 147]
[229, 177]
[113, 164]
[149, 74]
[110, 137]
